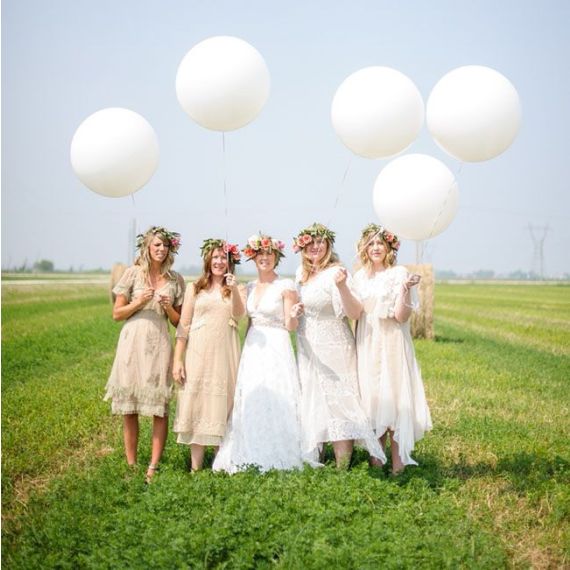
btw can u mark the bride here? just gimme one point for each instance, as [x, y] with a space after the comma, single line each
[264, 429]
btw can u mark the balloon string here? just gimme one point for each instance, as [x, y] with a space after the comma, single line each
[340, 190]
[444, 204]
[224, 172]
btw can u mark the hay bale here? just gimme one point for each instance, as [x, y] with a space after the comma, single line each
[422, 319]
[116, 273]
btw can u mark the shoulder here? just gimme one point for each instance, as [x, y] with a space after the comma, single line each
[299, 274]
[398, 271]
[286, 283]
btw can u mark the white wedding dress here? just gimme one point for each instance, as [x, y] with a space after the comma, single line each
[264, 430]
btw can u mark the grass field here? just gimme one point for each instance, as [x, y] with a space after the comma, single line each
[491, 490]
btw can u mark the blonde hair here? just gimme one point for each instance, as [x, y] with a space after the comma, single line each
[143, 259]
[205, 280]
[330, 258]
[362, 250]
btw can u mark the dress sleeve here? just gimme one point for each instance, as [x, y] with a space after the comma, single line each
[335, 294]
[401, 274]
[126, 283]
[288, 285]
[183, 327]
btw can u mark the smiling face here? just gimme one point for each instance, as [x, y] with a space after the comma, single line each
[219, 262]
[158, 249]
[376, 250]
[265, 261]
[316, 250]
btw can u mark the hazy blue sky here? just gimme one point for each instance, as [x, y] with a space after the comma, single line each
[62, 60]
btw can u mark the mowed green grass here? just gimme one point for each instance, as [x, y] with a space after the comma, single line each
[491, 489]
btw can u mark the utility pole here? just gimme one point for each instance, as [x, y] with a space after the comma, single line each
[132, 241]
[538, 235]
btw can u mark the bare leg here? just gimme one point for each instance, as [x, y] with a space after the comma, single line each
[197, 456]
[159, 433]
[131, 437]
[343, 452]
[397, 465]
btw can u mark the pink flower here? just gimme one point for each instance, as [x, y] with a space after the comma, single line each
[307, 239]
[296, 248]
[281, 245]
[226, 248]
[389, 237]
[265, 243]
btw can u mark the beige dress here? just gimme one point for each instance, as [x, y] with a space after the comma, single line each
[206, 399]
[140, 381]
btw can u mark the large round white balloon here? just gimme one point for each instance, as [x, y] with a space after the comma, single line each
[377, 112]
[474, 113]
[222, 83]
[416, 196]
[114, 152]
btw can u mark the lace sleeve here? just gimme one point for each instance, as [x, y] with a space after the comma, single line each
[400, 277]
[183, 327]
[126, 283]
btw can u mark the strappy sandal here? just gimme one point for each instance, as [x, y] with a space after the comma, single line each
[153, 469]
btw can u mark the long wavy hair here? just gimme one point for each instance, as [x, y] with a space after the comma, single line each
[205, 280]
[330, 258]
[362, 249]
[143, 259]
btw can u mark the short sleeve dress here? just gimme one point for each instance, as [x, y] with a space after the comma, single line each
[140, 380]
[205, 401]
[330, 404]
[389, 377]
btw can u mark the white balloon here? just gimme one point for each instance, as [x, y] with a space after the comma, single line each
[416, 196]
[474, 113]
[222, 83]
[114, 152]
[377, 112]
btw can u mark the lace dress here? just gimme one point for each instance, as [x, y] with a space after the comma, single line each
[330, 403]
[140, 380]
[390, 380]
[205, 400]
[264, 429]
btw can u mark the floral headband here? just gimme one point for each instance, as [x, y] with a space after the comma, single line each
[260, 242]
[381, 232]
[228, 248]
[307, 235]
[172, 238]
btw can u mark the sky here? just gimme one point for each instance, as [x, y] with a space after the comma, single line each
[63, 60]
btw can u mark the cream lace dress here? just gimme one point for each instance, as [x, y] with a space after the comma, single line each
[330, 404]
[265, 429]
[205, 401]
[389, 377]
[140, 380]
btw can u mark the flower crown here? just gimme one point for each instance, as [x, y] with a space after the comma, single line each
[306, 236]
[173, 238]
[228, 248]
[260, 242]
[381, 232]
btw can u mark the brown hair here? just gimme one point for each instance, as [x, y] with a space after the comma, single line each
[330, 259]
[143, 257]
[205, 280]
[362, 247]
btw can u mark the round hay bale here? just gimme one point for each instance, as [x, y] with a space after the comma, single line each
[116, 273]
[422, 319]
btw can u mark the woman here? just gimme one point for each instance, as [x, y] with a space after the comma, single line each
[264, 430]
[208, 336]
[148, 295]
[330, 404]
[389, 377]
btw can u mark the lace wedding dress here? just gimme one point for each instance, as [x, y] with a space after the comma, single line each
[330, 403]
[264, 430]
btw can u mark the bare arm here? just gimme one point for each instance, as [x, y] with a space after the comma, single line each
[237, 296]
[123, 309]
[351, 305]
[291, 310]
[185, 320]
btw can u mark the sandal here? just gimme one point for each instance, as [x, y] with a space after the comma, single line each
[152, 469]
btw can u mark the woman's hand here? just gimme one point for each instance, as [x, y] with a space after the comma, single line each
[178, 372]
[341, 276]
[145, 296]
[297, 310]
[165, 301]
[231, 280]
[412, 280]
